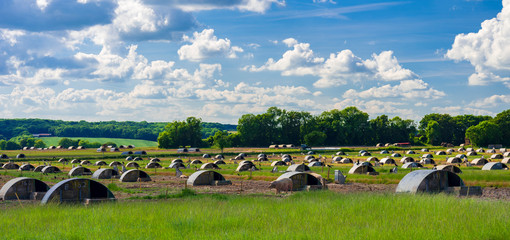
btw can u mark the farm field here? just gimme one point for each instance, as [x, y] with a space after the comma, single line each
[306, 215]
[53, 141]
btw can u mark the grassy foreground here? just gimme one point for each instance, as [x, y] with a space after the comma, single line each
[308, 215]
[53, 141]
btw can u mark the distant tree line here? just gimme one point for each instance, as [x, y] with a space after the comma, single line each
[348, 126]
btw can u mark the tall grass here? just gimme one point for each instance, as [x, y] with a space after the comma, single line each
[308, 215]
[53, 141]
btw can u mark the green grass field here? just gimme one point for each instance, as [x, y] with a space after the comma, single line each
[53, 141]
[306, 215]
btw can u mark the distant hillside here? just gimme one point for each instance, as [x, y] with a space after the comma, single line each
[10, 128]
[53, 141]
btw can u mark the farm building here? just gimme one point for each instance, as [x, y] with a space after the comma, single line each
[79, 171]
[206, 156]
[127, 153]
[337, 159]
[246, 167]
[115, 163]
[387, 160]
[424, 149]
[26, 167]
[23, 188]
[62, 160]
[339, 153]
[114, 149]
[480, 150]
[502, 150]
[240, 158]
[365, 154]
[372, 159]
[427, 161]
[209, 166]
[155, 165]
[77, 190]
[494, 166]
[471, 153]
[177, 160]
[285, 156]
[309, 157]
[196, 162]
[71, 148]
[194, 150]
[50, 169]
[137, 159]
[207, 177]
[262, 159]
[395, 155]
[246, 162]
[105, 173]
[427, 155]
[361, 169]
[450, 168]
[140, 153]
[496, 156]
[506, 154]
[454, 160]
[298, 168]
[182, 150]
[100, 163]
[133, 165]
[412, 165]
[470, 150]
[302, 180]
[21, 155]
[506, 160]
[155, 160]
[461, 149]
[315, 164]
[384, 152]
[39, 168]
[135, 175]
[461, 156]
[346, 160]
[177, 165]
[362, 151]
[479, 161]
[218, 162]
[410, 152]
[491, 151]
[310, 152]
[429, 181]
[287, 160]
[3, 156]
[450, 150]
[438, 153]
[406, 159]
[85, 162]
[11, 165]
[278, 163]
[219, 156]
[75, 161]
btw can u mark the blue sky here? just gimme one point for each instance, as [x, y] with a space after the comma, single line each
[158, 60]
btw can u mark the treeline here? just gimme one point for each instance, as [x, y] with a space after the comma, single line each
[349, 126]
[14, 128]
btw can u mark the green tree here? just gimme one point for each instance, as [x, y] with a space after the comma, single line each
[221, 140]
[503, 122]
[39, 143]
[433, 131]
[181, 133]
[66, 142]
[315, 138]
[484, 133]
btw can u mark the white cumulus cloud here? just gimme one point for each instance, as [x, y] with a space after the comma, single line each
[206, 45]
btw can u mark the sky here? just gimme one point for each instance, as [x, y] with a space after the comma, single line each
[166, 60]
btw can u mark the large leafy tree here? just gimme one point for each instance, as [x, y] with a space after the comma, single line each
[181, 133]
[485, 133]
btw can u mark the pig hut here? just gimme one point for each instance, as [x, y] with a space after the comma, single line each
[218, 162]
[428, 181]
[207, 177]
[26, 167]
[154, 165]
[302, 180]
[412, 165]
[315, 164]
[479, 161]
[24, 187]
[246, 167]
[278, 163]
[361, 169]
[133, 165]
[454, 160]
[79, 171]
[11, 165]
[177, 165]
[298, 168]
[450, 168]
[494, 166]
[105, 173]
[50, 169]
[77, 190]
[407, 160]
[209, 166]
[196, 162]
[135, 175]
[387, 161]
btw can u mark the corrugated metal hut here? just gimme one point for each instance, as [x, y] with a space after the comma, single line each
[207, 177]
[79, 171]
[105, 173]
[301, 180]
[23, 187]
[428, 181]
[450, 168]
[361, 169]
[494, 166]
[209, 166]
[298, 168]
[77, 190]
[135, 175]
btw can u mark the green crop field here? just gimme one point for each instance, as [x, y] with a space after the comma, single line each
[53, 141]
[306, 215]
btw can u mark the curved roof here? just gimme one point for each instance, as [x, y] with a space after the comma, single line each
[412, 165]
[153, 165]
[245, 167]
[451, 168]
[50, 169]
[440, 153]
[206, 155]
[26, 167]
[494, 166]
[454, 160]
[115, 163]
[428, 181]
[479, 161]
[217, 162]
[298, 168]
[11, 165]
[300, 179]
[209, 166]
[204, 177]
[396, 155]
[315, 164]
[196, 162]
[277, 163]
[427, 155]
[132, 164]
[77, 190]
[99, 163]
[133, 175]
[497, 156]
[104, 173]
[387, 160]
[177, 165]
[35, 185]
[78, 171]
[177, 160]
[406, 159]
[361, 169]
